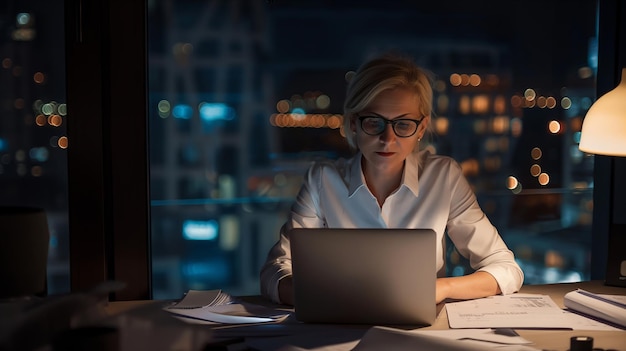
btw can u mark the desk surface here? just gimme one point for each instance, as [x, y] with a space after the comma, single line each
[543, 339]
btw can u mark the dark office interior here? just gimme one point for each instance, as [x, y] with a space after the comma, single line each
[148, 130]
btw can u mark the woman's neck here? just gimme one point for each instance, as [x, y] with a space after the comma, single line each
[381, 182]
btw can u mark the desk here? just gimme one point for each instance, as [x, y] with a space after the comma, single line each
[543, 339]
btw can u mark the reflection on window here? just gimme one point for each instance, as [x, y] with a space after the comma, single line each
[245, 94]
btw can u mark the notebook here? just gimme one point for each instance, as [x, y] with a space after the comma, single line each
[364, 276]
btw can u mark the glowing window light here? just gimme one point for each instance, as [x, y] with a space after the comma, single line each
[566, 103]
[554, 127]
[283, 106]
[516, 101]
[23, 19]
[63, 142]
[200, 230]
[464, 104]
[41, 120]
[39, 154]
[47, 109]
[535, 170]
[455, 79]
[216, 111]
[442, 125]
[164, 108]
[298, 112]
[516, 127]
[465, 79]
[55, 120]
[536, 153]
[480, 104]
[576, 124]
[39, 78]
[182, 111]
[585, 72]
[334, 121]
[543, 179]
[530, 94]
[230, 238]
[511, 182]
[541, 102]
[499, 105]
[500, 124]
[474, 80]
[322, 102]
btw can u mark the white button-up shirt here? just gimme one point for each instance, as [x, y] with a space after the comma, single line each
[433, 194]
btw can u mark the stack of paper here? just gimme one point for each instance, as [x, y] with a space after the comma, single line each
[610, 308]
[523, 311]
[216, 306]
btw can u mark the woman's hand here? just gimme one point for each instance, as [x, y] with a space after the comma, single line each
[285, 290]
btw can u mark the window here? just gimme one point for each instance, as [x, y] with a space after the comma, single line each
[242, 95]
[33, 122]
[223, 78]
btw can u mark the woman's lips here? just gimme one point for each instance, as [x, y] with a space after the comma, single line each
[385, 154]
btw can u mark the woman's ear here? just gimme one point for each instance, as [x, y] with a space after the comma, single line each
[423, 126]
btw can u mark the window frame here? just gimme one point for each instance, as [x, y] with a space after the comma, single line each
[108, 175]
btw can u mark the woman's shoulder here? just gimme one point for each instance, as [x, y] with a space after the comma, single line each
[429, 159]
[325, 165]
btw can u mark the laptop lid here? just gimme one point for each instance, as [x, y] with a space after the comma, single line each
[364, 276]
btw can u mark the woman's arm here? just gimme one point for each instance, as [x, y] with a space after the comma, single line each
[471, 286]
[275, 275]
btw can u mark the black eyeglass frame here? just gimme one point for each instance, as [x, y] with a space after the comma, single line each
[393, 123]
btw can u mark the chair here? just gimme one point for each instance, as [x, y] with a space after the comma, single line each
[24, 240]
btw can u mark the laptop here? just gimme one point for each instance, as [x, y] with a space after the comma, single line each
[364, 276]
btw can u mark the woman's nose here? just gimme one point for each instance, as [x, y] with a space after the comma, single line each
[388, 134]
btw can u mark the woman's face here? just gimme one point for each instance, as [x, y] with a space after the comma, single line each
[387, 151]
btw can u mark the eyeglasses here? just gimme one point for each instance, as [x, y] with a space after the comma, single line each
[375, 125]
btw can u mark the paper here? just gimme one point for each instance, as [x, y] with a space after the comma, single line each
[524, 311]
[203, 298]
[611, 308]
[216, 306]
[384, 338]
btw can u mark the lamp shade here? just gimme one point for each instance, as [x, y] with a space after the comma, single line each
[604, 127]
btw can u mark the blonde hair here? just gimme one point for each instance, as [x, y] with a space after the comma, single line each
[383, 73]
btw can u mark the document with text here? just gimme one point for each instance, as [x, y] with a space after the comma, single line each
[523, 311]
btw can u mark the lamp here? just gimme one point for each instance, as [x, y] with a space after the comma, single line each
[604, 126]
[604, 133]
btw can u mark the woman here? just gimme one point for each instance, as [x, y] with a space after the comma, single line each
[391, 183]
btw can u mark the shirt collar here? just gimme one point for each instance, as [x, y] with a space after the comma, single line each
[356, 180]
[411, 173]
